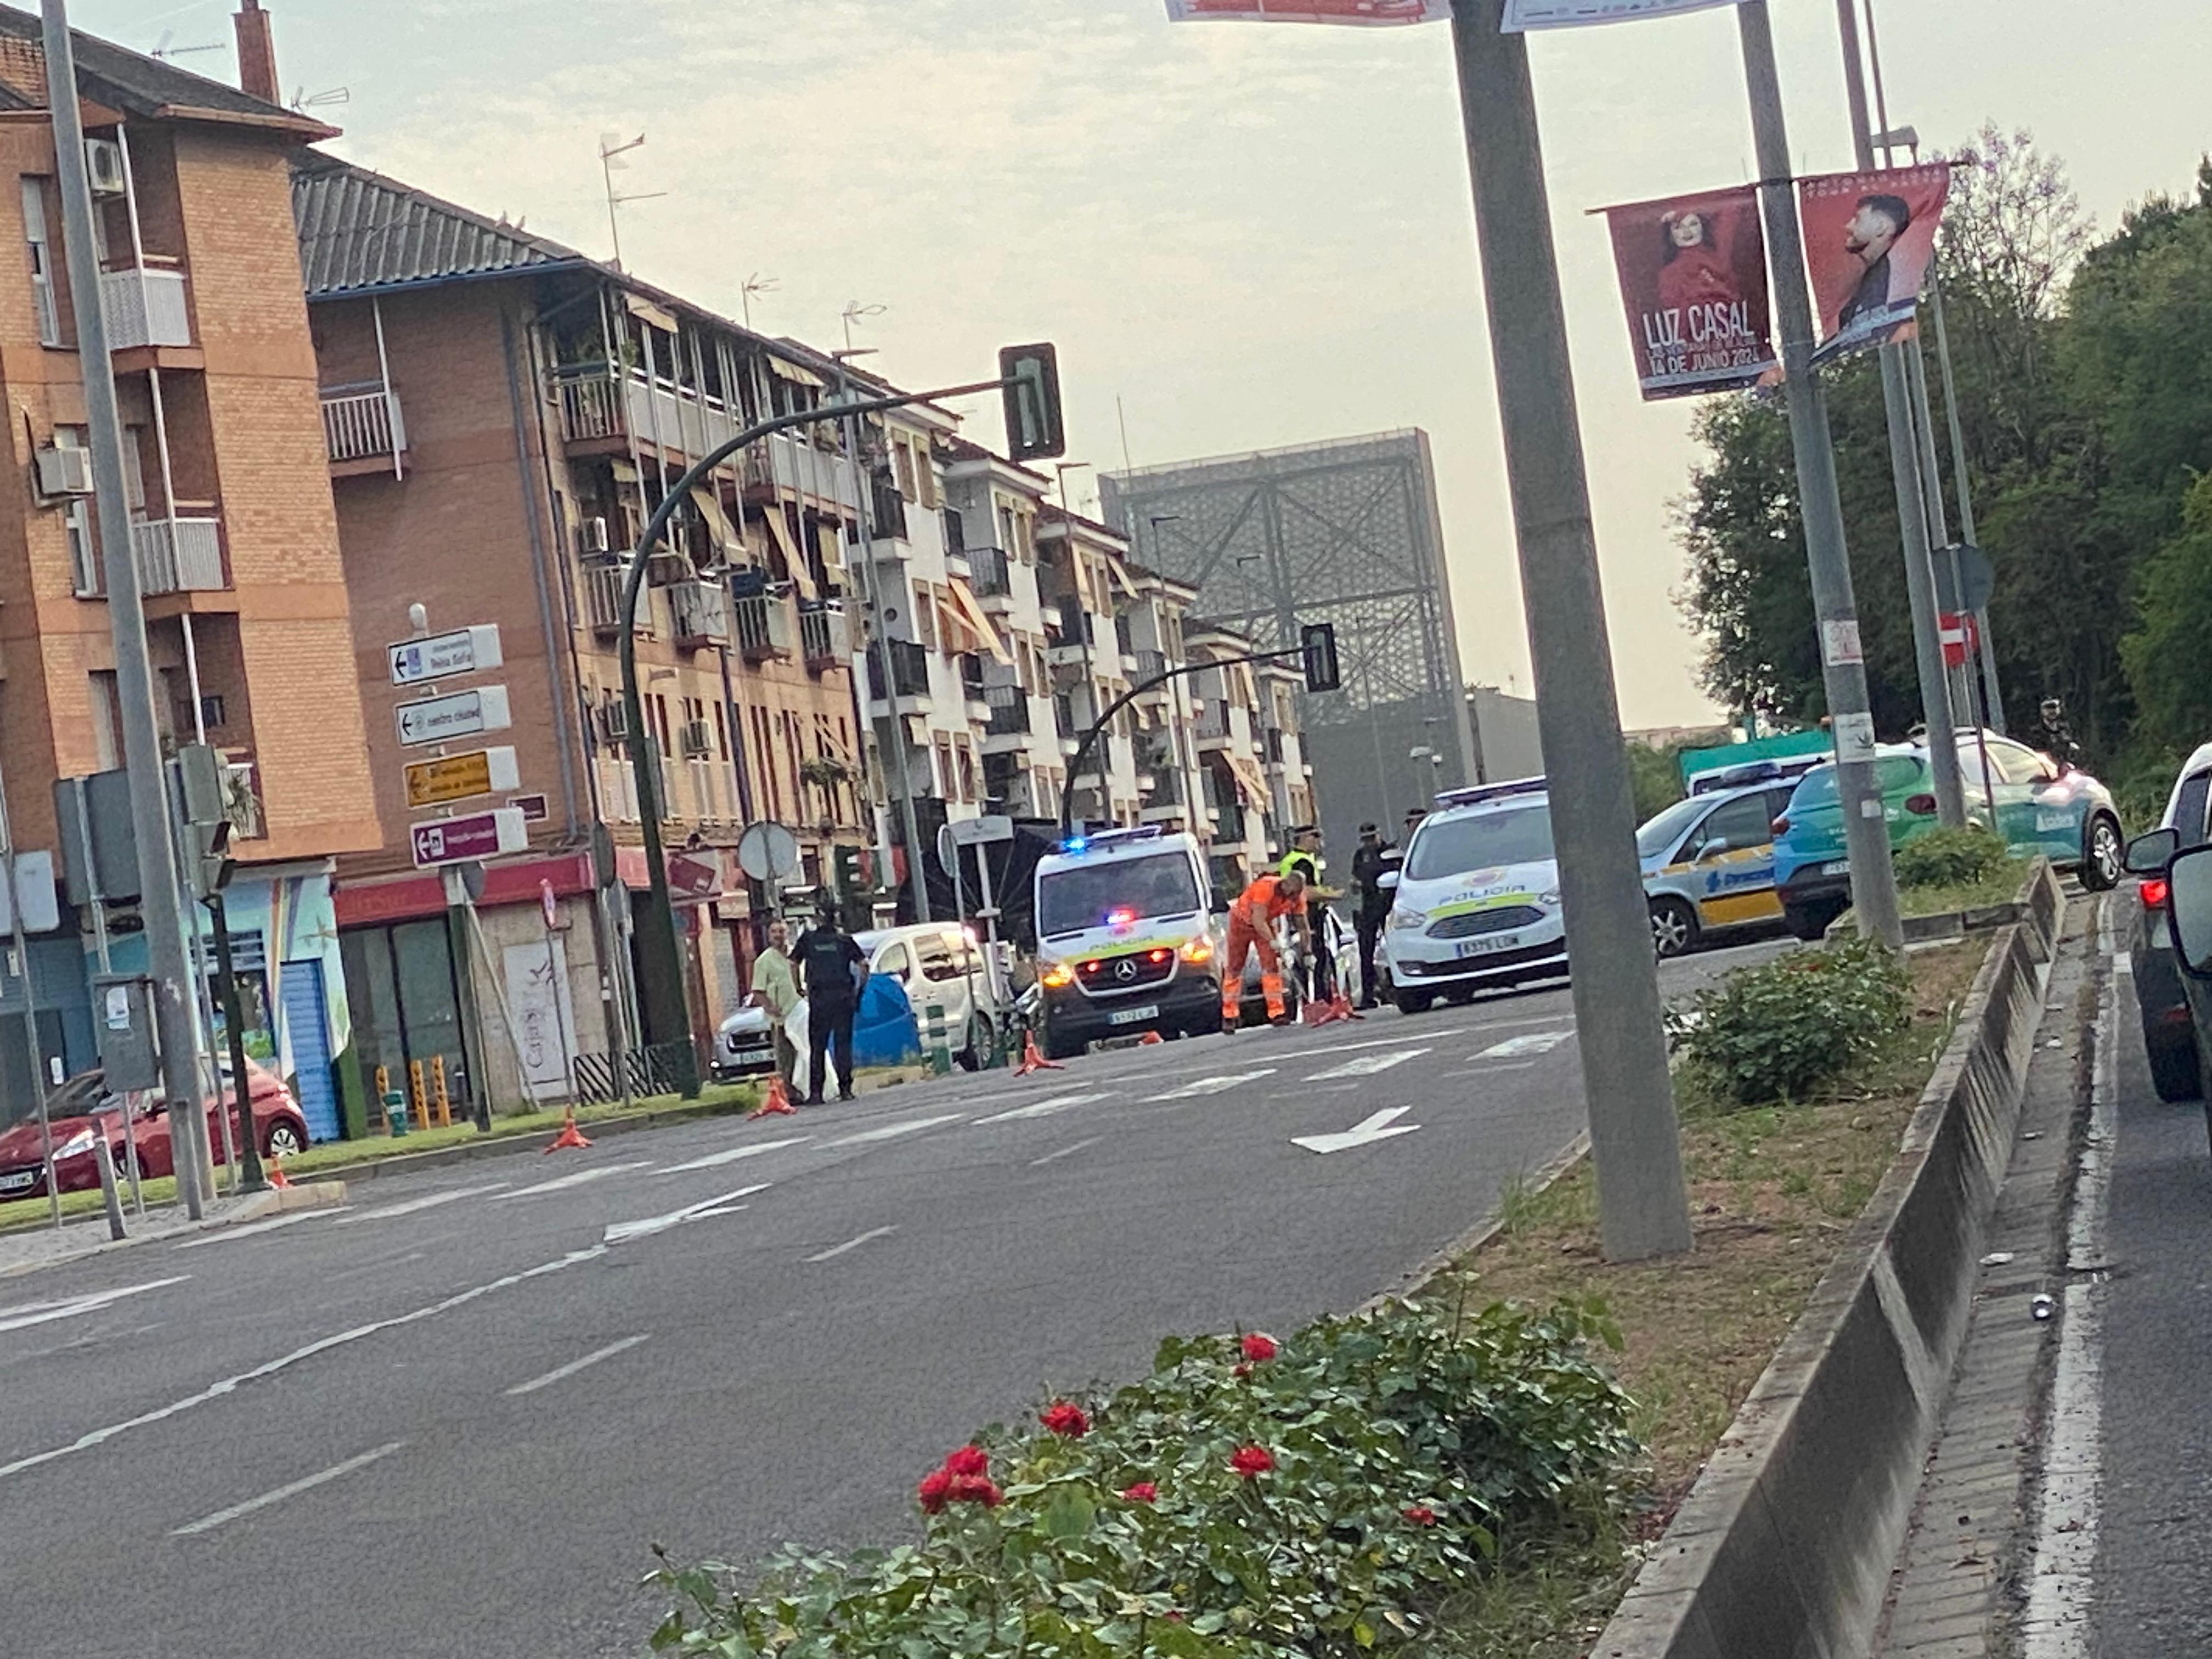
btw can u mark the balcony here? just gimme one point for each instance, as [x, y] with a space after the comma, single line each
[909, 670]
[601, 593]
[143, 305]
[596, 403]
[1211, 725]
[178, 556]
[992, 575]
[1151, 664]
[766, 629]
[789, 461]
[700, 615]
[825, 638]
[363, 425]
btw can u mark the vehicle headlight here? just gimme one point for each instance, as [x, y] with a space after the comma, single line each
[1198, 951]
[77, 1145]
[1401, 917]
[1057, 976]
[1549, 899]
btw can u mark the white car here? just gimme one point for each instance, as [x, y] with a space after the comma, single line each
[940, 963]
[1476, 902]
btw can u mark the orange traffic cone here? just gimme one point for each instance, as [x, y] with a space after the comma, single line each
[777, 1103]
[1032, 1060]
[1341, 1008]
[275, 1173]
[570, 1135]
[1150, 1038]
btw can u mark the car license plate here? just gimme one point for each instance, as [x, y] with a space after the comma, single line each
[1483, 947]
[1133, 1016]
[16, 1180]
[1837, 867]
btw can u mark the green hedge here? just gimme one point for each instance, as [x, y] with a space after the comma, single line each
[1248, 1500]
[1950, 858]
[1783, 1029]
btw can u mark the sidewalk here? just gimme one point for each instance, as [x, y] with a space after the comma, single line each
[1960, 1587]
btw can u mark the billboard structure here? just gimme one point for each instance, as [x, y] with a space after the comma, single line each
[1343, 531]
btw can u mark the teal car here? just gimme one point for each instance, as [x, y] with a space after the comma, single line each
[2038, 807]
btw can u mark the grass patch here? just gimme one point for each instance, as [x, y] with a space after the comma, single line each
[1772, 1191]
[2001, 886]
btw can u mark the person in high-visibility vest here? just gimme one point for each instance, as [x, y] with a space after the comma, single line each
[1304, 859]
[1252, 921]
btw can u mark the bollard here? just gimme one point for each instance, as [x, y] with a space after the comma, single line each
[936, 1042]
[395, 1111]
[420, 1096]
[108, 1193]
[438, 1092]
[383, 1081]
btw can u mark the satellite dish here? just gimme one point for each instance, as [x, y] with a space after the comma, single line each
[768, 852]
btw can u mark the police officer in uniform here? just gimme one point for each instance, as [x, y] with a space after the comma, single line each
[832, 970]
[1305, 861]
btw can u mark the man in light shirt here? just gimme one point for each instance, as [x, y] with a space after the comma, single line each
[775, 983]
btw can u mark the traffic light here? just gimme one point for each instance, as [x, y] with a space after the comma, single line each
[846, 861]
[1318, 641]
[1031, 391]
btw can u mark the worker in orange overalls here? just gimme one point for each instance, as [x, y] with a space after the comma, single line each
[1252, 921]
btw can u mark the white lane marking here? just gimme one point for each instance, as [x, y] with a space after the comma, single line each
[2122, 963]
[621, 1232]
[41, 1313]
[221, 1517]
[1213, 1085]
[1368, 1064]
[229, 1385]
[248, 1230]
[1047, 1108]
[731, 1155]
[1528, 1043]
[2062, 1582]
[1491, 1070]
[1567, 1020]
[562, 1373]
[562, 1183]
[869, 1237]
[893, 1131]
[1369, 1130]
[1343, 1047]
[410, 1206]
[1065, 1151]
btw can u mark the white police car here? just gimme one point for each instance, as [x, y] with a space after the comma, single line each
[1476, 902]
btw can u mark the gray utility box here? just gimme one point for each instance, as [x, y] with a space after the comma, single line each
[123, 1016]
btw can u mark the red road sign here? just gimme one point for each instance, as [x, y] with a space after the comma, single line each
[477, 836]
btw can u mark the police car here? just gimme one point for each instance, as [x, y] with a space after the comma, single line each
[1476, 902]
[1125, 939]
[1709, 861]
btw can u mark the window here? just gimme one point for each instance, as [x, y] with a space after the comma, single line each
[77, 518]
[925, 614]
[966, 757]
[106, 727]
[945, 774]
[42, 261]
[902, 461]
[925, 474]
[134, 470]
[895, 963]
[1742, 823]
[1451, 845]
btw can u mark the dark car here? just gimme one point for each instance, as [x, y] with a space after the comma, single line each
[2187, 909]
[2161, 992]
[81, 1111]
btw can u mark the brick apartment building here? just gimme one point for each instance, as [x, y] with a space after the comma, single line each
[231, 521]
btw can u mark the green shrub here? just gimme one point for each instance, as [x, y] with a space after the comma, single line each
[1245, 1501]
[1950, 858]
[1782, 1030]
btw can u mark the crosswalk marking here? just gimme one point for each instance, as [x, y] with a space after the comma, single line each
[561, 1183]
[225, 1235]
[892, 1131]
[413, 1206]
[1368, 1064]
[731, 1155]
[1528, 1043]
[1047, 1108]
[1215, 1085]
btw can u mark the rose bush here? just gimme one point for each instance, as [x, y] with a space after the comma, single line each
[1316, 1505]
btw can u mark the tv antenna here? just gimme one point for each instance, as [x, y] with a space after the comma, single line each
[754, 284]
[303, 100]
[164, 51]
[613, 149]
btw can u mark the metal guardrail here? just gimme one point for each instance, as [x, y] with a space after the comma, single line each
[652, 1071]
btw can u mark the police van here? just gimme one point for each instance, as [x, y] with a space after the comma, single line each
[1126, 939]
[1475, 904]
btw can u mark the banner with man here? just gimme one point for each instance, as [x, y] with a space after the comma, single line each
[1869, 237]
[1310, 11]
[1693, 280]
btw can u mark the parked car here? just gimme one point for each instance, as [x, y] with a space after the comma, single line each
[745, 1046]
[2161, 991]
[81, 1111]
[2040, 807]
[938, 963]
[1476, 903]
[1709, 861]
[2187, 874]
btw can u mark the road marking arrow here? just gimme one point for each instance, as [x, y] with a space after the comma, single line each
[1530, 1042]
[1366, 1132]
[1368, 1064]
[621, 1232]
[731, 1155]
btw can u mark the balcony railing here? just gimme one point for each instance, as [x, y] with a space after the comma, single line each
[825, 638]
[595, 403]
[909, 670]
[1212, 718]
[701, 613]
[601, 592]
[787, 460]
[764, 627]
[987, 566]
[144, 306]
[1151, 664]
[1010, 710]
[178, 556]
[1124, 637]
[358, 426]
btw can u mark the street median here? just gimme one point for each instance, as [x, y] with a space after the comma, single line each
[1784, 1545]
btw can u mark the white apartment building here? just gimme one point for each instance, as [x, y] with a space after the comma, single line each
[1170, 778]
[1233, 708]
[1088, 586]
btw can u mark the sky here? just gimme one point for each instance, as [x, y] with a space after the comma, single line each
[1239, 236]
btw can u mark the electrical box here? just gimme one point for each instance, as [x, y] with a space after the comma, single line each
[123, 1021]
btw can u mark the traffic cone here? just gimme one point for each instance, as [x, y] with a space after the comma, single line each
[1032, 1060]
[1341, 1008]
[777, 1103]
[1150, 1038]
[570, 1135]
[275, 1174]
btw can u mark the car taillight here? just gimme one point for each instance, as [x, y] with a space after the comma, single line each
[1922, 806]
[2153, 892]
[1780, 826]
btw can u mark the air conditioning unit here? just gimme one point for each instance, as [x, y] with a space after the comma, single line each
[103, 165]
[694, 739]
[592, 539]
[614, 720]
[64, 471]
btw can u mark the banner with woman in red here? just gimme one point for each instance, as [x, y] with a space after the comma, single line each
[1693, 279]
[1869, 237]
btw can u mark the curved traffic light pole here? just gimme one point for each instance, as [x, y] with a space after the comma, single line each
[661, 965]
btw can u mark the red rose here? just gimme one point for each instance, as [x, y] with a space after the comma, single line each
[1259, 1346]
[1248, 1460]
[932, 1490]
[1066, 1417]
[969, 1460]
[1143, 1492]
[1242, 1370]
[1420, 1515]
[976, 1489]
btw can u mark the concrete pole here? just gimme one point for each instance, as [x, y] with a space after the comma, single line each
[1905, 470]
[1644, 1208]
[1958, 679]
[1873, 883]
[1992, 695]
[158, 900]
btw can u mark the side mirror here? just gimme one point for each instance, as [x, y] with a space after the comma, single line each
[2190, 903]
[1713, 849]
[1388, 881]
[2147, 854]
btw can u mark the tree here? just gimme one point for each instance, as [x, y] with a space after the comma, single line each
[2167, 656]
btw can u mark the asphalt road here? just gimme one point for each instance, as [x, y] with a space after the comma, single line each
[2152, 1588]
[449, 1419]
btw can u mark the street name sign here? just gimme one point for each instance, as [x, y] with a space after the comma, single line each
[461, 777]
[441, 656]
[976, 832]
[464, 840]
[457, 714]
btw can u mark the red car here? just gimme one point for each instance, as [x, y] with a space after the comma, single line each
[82, 1110]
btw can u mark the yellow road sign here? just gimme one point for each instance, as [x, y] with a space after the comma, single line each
[460, 777]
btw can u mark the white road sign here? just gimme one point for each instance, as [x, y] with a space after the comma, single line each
[976, 832]
[441, 656]
[458, 715]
